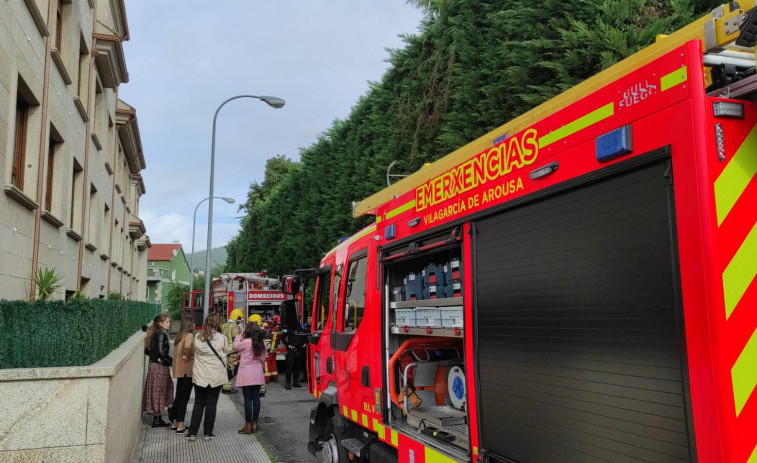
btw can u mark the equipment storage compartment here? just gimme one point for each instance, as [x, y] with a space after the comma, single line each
[425, 347]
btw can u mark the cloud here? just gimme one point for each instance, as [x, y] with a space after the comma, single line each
[185, 57]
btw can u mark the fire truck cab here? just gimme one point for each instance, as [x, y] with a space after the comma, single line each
[252, 293]
[577, 285]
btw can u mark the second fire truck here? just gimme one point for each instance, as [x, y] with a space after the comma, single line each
[576, 286]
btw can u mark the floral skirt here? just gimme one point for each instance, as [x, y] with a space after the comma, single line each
[158, 388]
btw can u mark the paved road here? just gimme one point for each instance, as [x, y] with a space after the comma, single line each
[283, 422]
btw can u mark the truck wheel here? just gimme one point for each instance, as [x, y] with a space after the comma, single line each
[333, 451]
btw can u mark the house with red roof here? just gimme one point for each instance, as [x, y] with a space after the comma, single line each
[166, 264]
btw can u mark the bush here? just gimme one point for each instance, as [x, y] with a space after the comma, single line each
[60, 333]
[175, 300]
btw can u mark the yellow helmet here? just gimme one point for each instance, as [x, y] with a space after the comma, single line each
[256, 318]
[236, 315]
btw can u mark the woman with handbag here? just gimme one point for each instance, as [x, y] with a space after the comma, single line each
[183, 348]
[252, 357]
[209, 372]
[158, 385]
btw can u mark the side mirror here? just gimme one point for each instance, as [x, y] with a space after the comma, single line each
[315, 337]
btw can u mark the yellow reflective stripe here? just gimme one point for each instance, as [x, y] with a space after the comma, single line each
[753, 457]
[379, 428]
[354, 416]
[740, 272]
[579, 124]
[371, 228]
[475, 450]
[736, 176]
[394, 438]
[401, 209]
[744, 374]
[432, 456]
[676, 77]
[345, 412]
[365, 419]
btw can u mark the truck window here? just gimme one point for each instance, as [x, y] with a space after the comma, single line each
[322, 301]
[355, 295]
[335, 295]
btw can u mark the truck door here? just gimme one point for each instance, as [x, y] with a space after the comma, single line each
[579, 326]
[321, 364]
[351, 346]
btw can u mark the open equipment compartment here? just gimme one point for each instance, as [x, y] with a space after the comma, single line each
[425, 334]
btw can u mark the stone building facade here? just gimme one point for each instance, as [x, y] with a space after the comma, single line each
[70, 151]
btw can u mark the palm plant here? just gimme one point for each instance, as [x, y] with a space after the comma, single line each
[47, 282]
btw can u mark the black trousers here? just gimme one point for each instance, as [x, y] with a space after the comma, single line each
[183, 391]
[206, 400]
[295, 364]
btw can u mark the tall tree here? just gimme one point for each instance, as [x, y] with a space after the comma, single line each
[473, 66]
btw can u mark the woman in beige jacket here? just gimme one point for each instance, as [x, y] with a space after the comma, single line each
[183, 351]
[208, 375]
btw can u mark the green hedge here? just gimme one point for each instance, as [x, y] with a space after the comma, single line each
[59, 334]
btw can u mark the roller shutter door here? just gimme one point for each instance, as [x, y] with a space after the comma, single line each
[578, 326]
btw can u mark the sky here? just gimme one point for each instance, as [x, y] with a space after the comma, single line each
[186, 57]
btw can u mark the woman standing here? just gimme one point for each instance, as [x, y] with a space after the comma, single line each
[252, 356]
[183, 348]
[158, 385]
[208, 375]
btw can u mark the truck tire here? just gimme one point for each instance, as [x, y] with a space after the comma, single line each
[333, 451]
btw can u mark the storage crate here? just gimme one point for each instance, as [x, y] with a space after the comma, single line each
[452, 317]
[428, 316]
[404, 317]
[452, 270]
[454, 289]
[413, 287]
[433, 274]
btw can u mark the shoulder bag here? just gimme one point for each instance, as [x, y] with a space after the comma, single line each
[229, 373]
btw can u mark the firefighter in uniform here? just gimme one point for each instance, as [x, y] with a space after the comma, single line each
[272, 340]
[231, 329]
[295, 338]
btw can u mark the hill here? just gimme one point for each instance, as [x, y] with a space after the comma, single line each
[217, 257]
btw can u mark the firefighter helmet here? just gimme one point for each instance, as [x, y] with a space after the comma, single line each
[255, 318]
[236, 315]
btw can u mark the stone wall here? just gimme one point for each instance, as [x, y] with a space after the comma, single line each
[77, 414]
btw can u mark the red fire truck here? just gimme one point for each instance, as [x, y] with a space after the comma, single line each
[576, 286]
[249, 292]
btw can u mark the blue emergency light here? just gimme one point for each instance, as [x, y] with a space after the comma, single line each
[614, 144]
[390, 232]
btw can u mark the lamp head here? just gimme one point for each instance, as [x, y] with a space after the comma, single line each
[228, 200]
[273, 101]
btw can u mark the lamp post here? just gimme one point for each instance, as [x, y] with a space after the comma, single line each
[192, 259]
[271, 101]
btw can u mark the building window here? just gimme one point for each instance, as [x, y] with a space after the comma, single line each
[19, 141]
[54, 145]
[98, 108]
[59, 25]
[77, 183]
[106, 230]
[82, 81]
[93, 229]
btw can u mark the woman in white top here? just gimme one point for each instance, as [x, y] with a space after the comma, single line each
[208, 375]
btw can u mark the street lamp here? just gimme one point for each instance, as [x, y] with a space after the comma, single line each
[271, 101]
[192, 259]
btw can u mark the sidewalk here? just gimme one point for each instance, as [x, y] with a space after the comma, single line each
[156, 445]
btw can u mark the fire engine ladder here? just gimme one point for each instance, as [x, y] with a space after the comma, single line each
[728, 35]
